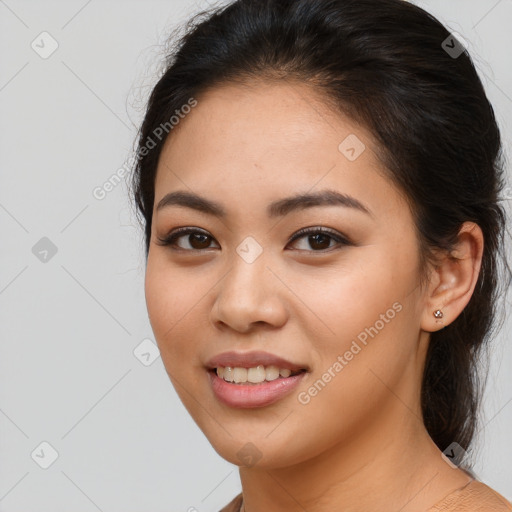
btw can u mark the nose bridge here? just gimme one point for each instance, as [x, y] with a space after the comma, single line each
[248, 270]
[247, 294]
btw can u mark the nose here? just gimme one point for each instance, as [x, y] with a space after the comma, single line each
[249, 295]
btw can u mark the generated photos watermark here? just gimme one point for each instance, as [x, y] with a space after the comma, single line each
[161, 131]
[304, 397]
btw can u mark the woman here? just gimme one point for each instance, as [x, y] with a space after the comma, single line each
[319, 186]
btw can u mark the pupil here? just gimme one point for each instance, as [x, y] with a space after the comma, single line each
[203, 240]
[316, 239]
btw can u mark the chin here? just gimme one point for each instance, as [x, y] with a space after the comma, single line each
[258, 453]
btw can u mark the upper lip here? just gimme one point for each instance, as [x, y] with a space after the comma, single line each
[251, 360]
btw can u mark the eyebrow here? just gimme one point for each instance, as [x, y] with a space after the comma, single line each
[276, 209]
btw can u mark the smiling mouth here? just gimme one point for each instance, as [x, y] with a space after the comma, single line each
[255, 375]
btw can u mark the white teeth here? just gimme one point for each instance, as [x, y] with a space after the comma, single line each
[228, 374]
[240, 375]
[254, 375]
[272, 372]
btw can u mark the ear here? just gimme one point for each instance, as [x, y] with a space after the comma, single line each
[453, 279]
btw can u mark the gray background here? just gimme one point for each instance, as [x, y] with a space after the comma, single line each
[71, 321]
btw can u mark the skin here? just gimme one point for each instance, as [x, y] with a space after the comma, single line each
[360, 442]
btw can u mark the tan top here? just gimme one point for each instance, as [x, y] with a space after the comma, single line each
[473, 497]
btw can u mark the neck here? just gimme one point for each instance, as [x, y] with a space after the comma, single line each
[391, 465]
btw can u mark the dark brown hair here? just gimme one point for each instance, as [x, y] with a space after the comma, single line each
[385, 64]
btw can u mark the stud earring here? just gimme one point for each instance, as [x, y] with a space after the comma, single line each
[438, 313]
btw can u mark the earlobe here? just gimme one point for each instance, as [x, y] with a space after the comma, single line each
[456, 275]
[439, 315]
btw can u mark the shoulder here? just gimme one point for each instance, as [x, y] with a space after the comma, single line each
[476, 496]
[234, 505]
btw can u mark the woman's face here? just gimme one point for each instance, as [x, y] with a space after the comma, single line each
[335, 316]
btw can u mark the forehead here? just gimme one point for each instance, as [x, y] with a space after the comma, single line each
[267, 139]
[258, 116]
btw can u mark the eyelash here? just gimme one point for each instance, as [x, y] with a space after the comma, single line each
[170, 240]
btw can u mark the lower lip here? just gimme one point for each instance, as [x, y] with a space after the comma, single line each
[253, 395]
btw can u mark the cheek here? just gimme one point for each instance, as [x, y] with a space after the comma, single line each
[171, 298]
[370, 315]
[353, 298]
[358, 375]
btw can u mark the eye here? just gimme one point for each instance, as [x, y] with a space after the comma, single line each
[319, 239]
[194, 239]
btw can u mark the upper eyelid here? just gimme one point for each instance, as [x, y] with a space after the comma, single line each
[318, 229]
